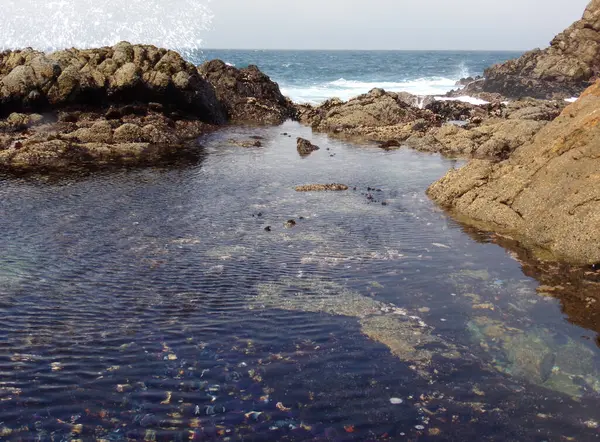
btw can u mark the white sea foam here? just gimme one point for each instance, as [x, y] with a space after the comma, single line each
[56, 24]
[571, 100]
[346, 89]
[464, 99]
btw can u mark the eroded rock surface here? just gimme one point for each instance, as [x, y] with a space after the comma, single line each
[249, 95]
[547, 192]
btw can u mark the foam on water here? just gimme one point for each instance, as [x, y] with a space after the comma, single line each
[464, 99]
[57, 24]
[346, 89]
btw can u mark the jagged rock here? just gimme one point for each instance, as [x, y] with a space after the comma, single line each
[31, 80]
[245, 143]
[546, 193]
[562, 70]
[248, 94]
[321, 187]
[305, 147]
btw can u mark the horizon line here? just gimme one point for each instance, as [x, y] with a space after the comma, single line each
[365, 50]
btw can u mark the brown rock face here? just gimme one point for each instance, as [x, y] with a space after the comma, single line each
[563, 70]
[248, 95]
[31, 80]
[547, 192]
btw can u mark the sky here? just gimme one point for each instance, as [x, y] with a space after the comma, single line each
[389, 24]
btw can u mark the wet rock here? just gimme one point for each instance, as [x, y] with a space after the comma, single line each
[545, 193]
[290, 223]
[305, 147]
[321, 187]
[248, 94]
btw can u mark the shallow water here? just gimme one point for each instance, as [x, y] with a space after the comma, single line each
[152, 305]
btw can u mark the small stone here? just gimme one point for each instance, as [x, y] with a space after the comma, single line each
[268, 229]
[290, 223]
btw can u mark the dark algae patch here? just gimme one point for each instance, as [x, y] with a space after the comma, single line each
[181, 303]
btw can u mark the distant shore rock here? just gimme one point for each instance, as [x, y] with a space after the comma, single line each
[450, 127]
[546, 193]
[563, 70]
[249, 95]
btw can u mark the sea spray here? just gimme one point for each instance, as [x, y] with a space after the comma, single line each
[58, 24]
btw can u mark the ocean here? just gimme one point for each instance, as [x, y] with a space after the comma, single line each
[314, 76]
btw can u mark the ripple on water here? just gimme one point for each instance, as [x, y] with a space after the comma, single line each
[151, 304]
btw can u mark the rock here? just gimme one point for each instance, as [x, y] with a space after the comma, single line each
[321, 187]
[31, 80]
[305, 147]
[245, 143]
[546, 193]
[562, 70]
[248, 94]
[73, 140]
[289, 224]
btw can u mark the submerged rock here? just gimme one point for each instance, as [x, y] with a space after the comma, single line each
[546, 192]
[407, 336]
[305, 147]
[321, 187]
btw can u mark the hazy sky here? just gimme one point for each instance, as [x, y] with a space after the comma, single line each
[389, 24]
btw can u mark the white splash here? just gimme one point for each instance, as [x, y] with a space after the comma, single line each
[571, 100]
[58, 24]
[464, 99]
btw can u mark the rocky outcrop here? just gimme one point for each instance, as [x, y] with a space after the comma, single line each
[493, 135]
[124, 73]
[305, 147]
[562, 70]
[75, 140]
[449, 127]
[547, 193]
[249, 95]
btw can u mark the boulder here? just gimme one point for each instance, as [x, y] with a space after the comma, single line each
[547, 193]
[305, 147]
[249, 95]
[563, 70]
[31, 80]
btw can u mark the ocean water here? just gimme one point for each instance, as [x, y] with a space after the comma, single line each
[314, 76]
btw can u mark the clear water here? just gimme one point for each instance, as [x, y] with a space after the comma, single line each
[314, 76]
[152, 305]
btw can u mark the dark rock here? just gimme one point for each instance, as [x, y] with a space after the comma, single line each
[305, 147]
[321, 187]
[290, 223]
[268, 229]
[248, 94]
